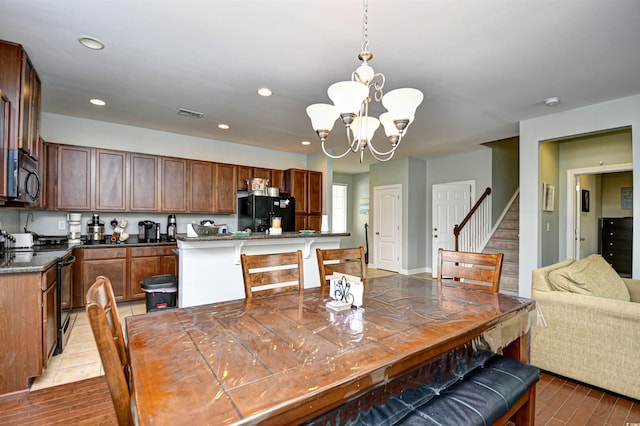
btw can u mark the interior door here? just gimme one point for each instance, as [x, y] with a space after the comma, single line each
[450, 204]
[387, 216]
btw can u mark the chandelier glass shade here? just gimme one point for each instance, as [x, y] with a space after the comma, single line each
[351, 101]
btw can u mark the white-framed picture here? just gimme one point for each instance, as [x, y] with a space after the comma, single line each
[548, 194]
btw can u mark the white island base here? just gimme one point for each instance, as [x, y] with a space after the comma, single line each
[210, 269]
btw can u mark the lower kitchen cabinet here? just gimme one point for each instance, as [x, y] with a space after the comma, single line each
[49, 313]
[126, 267]
[149, 261]
[93, 262]
[25, 332]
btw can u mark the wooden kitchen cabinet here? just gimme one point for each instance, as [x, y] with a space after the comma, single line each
[296, 184]
[146, 262]
[93, 262]
[50, 181]
[21, 334]
[74, 178]
[226, 198]
[144, 182]
[314, 194]
[49, 313]
[201, 188]
[306, 187]
[174, 185]
[19, 81]
[244, 173]
[277, 179]
[110, 180]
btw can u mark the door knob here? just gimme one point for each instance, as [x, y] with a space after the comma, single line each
[377, 233]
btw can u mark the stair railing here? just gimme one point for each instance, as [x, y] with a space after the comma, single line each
[472, 232]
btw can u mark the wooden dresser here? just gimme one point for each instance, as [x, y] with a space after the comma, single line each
[617, 235]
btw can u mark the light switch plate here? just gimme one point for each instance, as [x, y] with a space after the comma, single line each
[61, 225]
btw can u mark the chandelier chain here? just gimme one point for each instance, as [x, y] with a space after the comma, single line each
[365, 43]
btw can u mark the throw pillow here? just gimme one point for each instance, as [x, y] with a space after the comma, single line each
[592, 276]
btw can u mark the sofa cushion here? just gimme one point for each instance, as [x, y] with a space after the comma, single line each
[592, 276]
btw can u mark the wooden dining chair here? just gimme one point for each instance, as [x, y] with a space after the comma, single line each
[271, 274]
[475, 270]
[345, 261]
[105, 323]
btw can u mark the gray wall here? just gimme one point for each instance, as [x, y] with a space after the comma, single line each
[504, 174]
[607, 148]
[471, 166]
[549, 240]
[416, 229]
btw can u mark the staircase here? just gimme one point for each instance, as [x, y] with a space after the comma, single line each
[506, 239]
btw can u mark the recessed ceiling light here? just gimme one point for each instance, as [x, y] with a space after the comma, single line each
[223, 126]
[552, 101]
[98, 102]
[305, 143]
[264, 92]
[91, 43]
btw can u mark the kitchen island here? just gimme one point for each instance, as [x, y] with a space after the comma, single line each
[210, 270]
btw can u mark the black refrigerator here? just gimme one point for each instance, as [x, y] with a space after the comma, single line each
[255, 212]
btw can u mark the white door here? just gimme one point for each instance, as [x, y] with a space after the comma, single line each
[578, 239]
[450, 204]
[387, 215]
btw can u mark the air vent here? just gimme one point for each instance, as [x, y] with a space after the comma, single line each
[189, 113]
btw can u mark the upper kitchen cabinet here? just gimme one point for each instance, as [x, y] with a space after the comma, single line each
[306, 187]
[144, 182]
[73, 178]
[5, 114]
[277, 179]
[244, 173]
[296, 182]
[110, 180]
[225, 190]
[212, 187]
[201, 190]
[21, 84]
[314, 193]
[173, 189]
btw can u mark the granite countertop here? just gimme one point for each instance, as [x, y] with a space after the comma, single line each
[21, 262]
[261, 236]
[41, 259]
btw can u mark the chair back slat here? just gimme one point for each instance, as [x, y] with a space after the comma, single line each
[344, 260]
[270, 274]
[102, 312]
[474, 270]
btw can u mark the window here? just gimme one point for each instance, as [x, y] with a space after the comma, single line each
[339, 214]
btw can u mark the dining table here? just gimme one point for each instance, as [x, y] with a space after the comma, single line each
[289, 359]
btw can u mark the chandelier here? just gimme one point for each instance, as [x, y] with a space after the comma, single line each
[351, 101]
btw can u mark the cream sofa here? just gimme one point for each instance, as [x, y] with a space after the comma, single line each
[593, 325]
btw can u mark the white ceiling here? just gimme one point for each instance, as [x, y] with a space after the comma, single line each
[482, 65]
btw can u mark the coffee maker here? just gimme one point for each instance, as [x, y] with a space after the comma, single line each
[148, 231]
[171, 228]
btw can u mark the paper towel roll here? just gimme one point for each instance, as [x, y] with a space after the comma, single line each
[324, 227]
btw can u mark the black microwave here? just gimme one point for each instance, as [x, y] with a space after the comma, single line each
[23, 182]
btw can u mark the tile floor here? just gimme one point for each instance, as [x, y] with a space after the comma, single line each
[80, 359]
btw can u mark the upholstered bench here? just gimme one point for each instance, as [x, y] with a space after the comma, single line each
[486, 395]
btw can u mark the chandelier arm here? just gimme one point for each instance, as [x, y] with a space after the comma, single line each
[391, 151]
[335, 157]
[354, 144]
[380, 158]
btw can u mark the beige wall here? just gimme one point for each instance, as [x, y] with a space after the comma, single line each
[612, 184]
